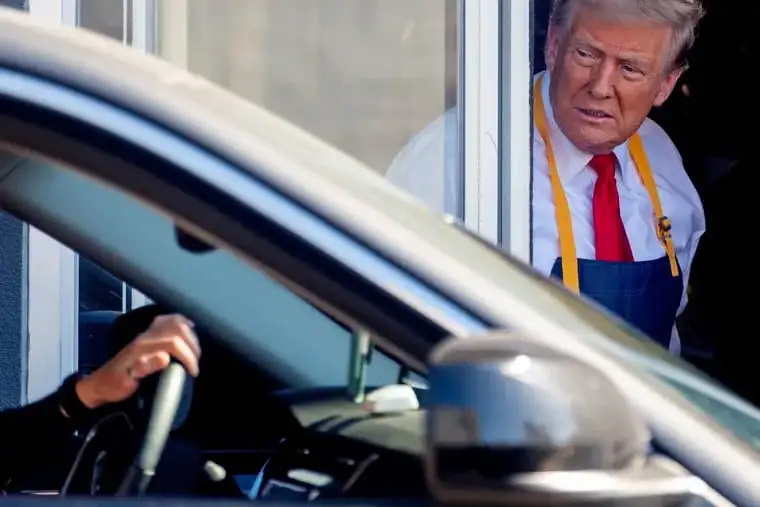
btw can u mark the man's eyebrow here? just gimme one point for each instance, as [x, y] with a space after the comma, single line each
[635, 60]
[587, 44]
[631, 58]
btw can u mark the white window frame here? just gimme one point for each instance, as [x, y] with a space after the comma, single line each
[53, 276]
[494, 114]
[516, 127]
[144, 18]
[478, 91]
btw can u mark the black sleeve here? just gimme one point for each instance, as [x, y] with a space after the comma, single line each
[36, 435]
[32, 435]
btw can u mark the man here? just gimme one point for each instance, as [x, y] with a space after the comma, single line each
[31, 433]
[614, 214]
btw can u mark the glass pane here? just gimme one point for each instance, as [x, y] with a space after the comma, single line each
[374, 78]
[364, 75]
[103, 16]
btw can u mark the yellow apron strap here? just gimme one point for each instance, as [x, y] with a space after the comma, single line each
[662, 223]
[562, 210]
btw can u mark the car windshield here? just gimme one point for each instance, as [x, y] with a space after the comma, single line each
[733, 413]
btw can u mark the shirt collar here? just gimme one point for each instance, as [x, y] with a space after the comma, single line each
[571, 161]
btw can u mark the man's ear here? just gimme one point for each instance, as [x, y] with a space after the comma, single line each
[667, 86]
[551, 48]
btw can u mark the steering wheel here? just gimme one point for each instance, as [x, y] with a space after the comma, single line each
[166, 402]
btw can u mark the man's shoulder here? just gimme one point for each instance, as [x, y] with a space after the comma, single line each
[428, 150]
[440, 132]
[427, 165]
[657, 140]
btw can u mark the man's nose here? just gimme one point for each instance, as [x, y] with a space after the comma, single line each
[602, 82]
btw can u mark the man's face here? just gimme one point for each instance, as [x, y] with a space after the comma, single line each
[605, 78]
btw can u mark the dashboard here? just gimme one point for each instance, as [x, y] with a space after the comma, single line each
[343, 451]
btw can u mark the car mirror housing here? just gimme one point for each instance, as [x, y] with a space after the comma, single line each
[511, 422]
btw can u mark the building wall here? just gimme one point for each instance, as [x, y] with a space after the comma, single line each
[13, 299]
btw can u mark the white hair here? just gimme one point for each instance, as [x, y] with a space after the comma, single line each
[682, 16]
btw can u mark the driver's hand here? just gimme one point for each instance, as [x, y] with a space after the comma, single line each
[169, 336]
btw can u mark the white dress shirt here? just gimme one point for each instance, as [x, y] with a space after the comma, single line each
[429, 171]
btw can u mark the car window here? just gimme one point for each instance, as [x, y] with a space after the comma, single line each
[95, 321]
[247, 307]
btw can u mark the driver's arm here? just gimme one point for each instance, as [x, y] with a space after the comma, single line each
[40, 432]
[35, 433]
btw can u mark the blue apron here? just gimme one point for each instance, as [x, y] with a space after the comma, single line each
[646, 294]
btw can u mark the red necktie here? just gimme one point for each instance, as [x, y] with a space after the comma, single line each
[609, 232]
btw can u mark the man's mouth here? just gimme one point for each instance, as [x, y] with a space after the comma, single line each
[594, 113]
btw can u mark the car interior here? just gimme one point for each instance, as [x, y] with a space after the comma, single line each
[241, 415]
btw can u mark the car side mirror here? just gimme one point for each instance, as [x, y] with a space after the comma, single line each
[511, 422]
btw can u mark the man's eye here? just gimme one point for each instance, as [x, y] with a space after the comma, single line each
[631, 71]
[583, 53]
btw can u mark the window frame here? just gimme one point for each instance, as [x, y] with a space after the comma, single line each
[516, 127]
[478, 114]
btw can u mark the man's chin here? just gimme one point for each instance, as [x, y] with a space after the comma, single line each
[591, 140]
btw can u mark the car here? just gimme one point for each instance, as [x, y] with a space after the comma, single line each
[332, 307]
